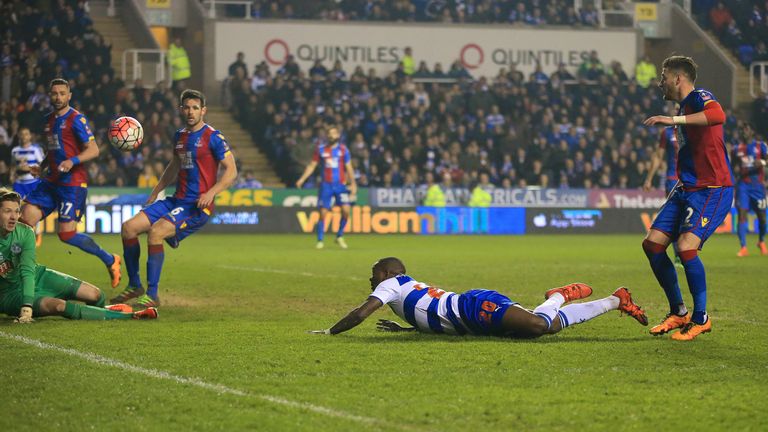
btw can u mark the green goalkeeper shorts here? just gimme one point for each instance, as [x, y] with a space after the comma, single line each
[48, 283]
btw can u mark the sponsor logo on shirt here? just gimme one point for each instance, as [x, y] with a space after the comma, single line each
[15, 249]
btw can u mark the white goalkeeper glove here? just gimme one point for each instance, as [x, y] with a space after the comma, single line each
[25, 317]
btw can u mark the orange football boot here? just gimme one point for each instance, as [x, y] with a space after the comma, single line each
[669, 323]
[629, 307]
[571, 292]
[120, 307]
[763, 248]
[742, 252]
[691, 330]
[114, 271]
[148, 313]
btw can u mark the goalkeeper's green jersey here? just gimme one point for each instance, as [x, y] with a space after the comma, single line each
[17, 262]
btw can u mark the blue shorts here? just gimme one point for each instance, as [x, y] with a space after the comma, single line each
[482, 311]
[750, 196]
[24, 189]
[186, 216]
[69, 200]
[699, 212]
[336, 191]
[669, 185]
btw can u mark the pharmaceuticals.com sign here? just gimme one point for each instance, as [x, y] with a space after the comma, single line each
[483, 50]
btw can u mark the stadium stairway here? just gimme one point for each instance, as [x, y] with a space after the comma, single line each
[743, 98]
[248, 155]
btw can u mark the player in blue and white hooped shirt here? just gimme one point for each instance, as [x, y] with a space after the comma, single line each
[25, 157]
[476, 312]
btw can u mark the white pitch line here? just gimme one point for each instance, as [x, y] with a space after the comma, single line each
[288, 272]
[218, 388]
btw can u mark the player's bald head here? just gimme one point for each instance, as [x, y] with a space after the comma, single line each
[390, 265]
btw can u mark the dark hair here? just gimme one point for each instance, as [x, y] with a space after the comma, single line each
[391, 265]
[192, 94]
[9, 195]
[58, 81]
[683, 64]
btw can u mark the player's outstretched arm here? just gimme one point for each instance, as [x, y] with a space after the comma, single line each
[354, 318]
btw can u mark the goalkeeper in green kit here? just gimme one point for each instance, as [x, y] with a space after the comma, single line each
[29, 290]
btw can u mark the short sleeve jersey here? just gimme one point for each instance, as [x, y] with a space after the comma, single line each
[199, 154]
[67, 136]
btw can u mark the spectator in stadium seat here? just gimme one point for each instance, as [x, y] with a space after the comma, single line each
[239, 63]
[719, 17]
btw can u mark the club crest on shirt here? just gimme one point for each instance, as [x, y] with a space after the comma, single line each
[15, 249]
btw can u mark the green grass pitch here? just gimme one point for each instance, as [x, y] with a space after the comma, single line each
[231, 352]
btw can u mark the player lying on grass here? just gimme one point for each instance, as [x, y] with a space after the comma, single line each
[477, 312]
[28, 289]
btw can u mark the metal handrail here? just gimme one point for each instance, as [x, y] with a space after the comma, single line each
[212, 6]
[759, 69]
[162, 71]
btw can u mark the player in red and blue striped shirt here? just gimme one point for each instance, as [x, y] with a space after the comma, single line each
[749, 159]
[700, 202]
[65, 188]
[335, 171]
[198, 152]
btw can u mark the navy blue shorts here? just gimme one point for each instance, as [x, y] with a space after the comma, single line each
[699, 212]
[331, 194]
[186, 216]
[69, 200]
[482, 311]
[750, 196]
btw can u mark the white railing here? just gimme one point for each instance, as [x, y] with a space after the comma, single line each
[758, 78]
[213, 3]
[149, 65]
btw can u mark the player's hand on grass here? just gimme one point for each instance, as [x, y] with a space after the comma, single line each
[663, 120]
[25, 317]
[391, 326]
[206, 199]
[324, 332]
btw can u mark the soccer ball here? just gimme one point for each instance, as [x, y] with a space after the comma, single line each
[125, 133]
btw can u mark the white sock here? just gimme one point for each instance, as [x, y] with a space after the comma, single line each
[548, 309]
[580, 312]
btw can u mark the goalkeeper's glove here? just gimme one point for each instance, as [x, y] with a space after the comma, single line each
[25, 317]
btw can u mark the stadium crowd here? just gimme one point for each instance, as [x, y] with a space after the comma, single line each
[742, 26]
[39, 45]
[579, 129]
[525, 12]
